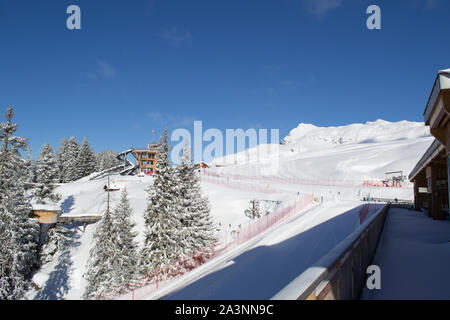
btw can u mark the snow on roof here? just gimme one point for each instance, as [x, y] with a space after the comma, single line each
[442, 82]
[45, 207]
[444, 79]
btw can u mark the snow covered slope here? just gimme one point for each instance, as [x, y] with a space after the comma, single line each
[354, 152]
[63, 277]
[270, 263]
[310, 137]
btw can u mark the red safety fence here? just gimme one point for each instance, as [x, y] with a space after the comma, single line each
[257, 226]
[363, 212]
[309, 182]
[244, 185]
[152, 280]
[145, 285]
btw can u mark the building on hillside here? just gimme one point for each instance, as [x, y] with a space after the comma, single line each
[44, 213]
[201, 165]
[146, 158]
[430, 175]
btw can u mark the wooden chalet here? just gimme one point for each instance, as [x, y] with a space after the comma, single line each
[430, 175]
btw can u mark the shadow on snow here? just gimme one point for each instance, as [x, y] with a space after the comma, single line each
[262, 272]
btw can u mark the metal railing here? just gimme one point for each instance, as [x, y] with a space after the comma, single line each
[340, 274]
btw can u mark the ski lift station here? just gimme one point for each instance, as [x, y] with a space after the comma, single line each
[430, 175]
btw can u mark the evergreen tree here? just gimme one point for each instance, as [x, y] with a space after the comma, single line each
[85, 160]
[163, 237]
[99, 275]
[73, 149]
[198, 226]
[18, 233]
[30, 168]
[56, 241]
[126, 257]
[106, 159]
[114, 254]
[46, 175]
[61, 160]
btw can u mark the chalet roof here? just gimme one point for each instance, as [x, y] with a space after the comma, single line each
[442, 82]
[431, 153]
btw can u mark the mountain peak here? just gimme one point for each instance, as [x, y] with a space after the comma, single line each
[309, 136]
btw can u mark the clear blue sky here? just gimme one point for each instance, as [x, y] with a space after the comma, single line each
[138, 65]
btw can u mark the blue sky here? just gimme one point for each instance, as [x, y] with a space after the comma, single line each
[137, 65]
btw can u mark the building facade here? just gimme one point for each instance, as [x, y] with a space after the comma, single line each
[430, 175]
[146, 158]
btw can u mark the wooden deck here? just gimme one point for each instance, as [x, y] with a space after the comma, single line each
[84, 219]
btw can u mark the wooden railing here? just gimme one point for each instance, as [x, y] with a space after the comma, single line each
[341, 274]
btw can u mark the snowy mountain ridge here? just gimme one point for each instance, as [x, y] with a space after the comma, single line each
[311, 137]
[351, 152]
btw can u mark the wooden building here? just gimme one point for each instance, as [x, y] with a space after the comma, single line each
[146, 158]
[201, 165]
[430, 175]
[45, 215]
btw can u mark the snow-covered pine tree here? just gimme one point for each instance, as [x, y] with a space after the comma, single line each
[30, 168]
[99, 274]
[126, 258]
[114, 258]
[56, 241]
[100, 160]
[73, 149]
[106, 159]
[85, 160]
[164, 241]
[46, 175]
[18, 233]
[198, 226]
[61, 159]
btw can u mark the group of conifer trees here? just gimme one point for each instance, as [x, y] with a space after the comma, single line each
[177, 217]
[177, 224]
[70, 162]
[18, 233]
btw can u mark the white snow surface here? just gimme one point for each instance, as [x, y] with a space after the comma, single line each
[358, 151]
[262, 267]
[413, 256]
[352, 152]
